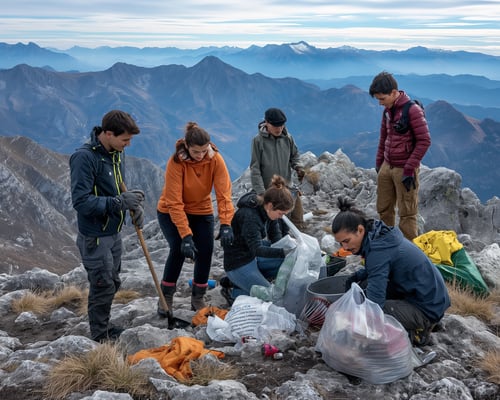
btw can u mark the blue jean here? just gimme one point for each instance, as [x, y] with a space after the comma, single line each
[202, 227]
[259, 271]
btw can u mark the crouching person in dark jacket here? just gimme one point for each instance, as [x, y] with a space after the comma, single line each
[96, 177]
[250, 259]
[399, 276]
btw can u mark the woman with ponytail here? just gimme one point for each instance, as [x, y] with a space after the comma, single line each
[250, 260]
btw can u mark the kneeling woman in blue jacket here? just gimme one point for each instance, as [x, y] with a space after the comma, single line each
[250, 260]
[399, 276]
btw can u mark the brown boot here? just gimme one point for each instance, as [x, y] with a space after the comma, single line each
[197, 293]
[168, 293]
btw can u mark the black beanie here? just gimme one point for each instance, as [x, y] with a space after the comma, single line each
[275, 116]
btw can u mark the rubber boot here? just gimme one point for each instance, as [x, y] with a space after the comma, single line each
[197, 294]
[168, 293]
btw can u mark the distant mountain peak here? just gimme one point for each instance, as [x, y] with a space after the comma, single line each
[301, 47]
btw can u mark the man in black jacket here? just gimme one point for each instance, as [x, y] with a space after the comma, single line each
[96, 175]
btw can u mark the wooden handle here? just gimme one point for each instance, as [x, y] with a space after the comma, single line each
[138, 230]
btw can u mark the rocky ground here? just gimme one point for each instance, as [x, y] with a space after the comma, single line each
[28, 343]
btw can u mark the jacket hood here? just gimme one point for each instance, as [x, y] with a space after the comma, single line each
[94, 144]
[248, 200]
[381, 236]
[183, 153]
[264, 132]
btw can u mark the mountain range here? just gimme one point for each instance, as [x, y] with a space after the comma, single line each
[299, 60]
[59, 109]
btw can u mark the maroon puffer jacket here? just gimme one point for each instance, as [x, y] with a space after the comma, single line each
[403, 150]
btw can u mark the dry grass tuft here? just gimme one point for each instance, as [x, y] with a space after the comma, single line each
[464, 302]
[82, 309]
[103, 368]
[318, 211]
[37, 303]
[207, 369]
[69, 295]
[126, 296]
[491, 364]
[495, 297]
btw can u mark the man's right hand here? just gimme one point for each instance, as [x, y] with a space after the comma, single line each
[131, 199]
[188, 248]
[300, 173]
[350, 280]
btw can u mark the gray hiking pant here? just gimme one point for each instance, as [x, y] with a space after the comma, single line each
[407, 314]
[101, 258]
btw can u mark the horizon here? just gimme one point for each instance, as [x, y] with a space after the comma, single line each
[465, 25]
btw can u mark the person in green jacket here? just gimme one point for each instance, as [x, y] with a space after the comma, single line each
[274, 152]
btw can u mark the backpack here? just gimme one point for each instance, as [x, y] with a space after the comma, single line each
[401, 126]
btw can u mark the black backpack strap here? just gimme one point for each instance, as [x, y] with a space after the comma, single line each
[406, 110]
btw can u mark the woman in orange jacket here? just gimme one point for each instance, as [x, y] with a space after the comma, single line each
[186, 215]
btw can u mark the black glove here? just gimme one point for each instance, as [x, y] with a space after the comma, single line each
[138, 217]
[130, 200]
[409, 182]
[225, 235]
[300, 173]
[188, 248]
[350, 280]
[377, 169]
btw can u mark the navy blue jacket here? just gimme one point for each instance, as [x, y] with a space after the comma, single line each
[397, 269]
[95, 178]
[251, 226]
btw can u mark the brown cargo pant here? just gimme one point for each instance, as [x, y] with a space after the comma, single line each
[391, 193]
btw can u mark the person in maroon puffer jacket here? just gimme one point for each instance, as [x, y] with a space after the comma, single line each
[402, 145]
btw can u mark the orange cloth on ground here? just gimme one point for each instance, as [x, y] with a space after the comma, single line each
[201, 316]
[342, 253]
[175, 357]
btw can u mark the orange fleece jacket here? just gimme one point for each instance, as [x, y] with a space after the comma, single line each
[188, 188]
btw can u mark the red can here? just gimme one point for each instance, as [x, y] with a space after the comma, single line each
[268, 350]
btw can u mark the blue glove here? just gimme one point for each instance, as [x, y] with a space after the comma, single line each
[350, 280]
[226, 235]
[188, 248]
[409, 181]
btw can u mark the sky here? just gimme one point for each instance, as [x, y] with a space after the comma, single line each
[365, 24]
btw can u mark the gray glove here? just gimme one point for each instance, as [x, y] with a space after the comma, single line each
[130, 200]
[138, 217]
[300, 173]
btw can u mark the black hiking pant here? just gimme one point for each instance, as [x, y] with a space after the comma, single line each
[101, 258]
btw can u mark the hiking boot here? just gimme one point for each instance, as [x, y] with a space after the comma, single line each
[168, 293]
[420, 337]
[225, 282]
[197, 294]
[226, 293]
[111, 335]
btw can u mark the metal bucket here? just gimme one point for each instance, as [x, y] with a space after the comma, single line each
[330, 288]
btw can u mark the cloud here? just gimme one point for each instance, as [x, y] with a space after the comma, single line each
[196, 23]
